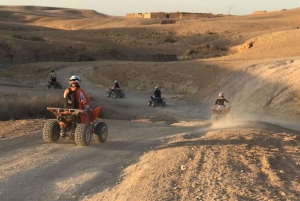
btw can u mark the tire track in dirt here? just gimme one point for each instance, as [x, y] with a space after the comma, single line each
[63, 171]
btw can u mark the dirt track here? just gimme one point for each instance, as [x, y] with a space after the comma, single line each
[189, 161]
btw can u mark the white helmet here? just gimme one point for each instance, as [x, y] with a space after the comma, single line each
[75, 80]
[116, 81]
[75, 77]
[221, 94]
[156, 87]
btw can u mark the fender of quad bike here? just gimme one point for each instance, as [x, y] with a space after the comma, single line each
[95, 113]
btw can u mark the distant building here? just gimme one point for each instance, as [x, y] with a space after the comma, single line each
[134, 15]
[155, 15]
[172, 15]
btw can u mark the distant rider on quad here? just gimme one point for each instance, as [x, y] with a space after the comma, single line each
[75, 97]
[220, 101]
[52, 76]
[116, 87]
[157, 93]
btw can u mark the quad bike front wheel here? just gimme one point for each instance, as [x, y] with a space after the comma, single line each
[108, 94]
[83, 135]
[51, 131]
[101, 132]
[149, 103]
[154, 104]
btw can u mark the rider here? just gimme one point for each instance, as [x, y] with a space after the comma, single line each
[157, 93]
[117, 84]
[52, 76]
[220, 101]
[116, 87]
[75, 97]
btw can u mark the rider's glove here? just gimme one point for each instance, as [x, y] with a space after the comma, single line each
[83, 102]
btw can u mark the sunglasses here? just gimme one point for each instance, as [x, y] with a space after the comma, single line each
[73, 80]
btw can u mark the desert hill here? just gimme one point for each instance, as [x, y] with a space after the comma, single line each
[47, 34]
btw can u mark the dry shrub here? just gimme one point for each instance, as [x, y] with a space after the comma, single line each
[32, 38]
[170, 40]
[15, 107]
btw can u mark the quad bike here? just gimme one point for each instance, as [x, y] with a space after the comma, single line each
[118, 93]
[76, 124]
[156, 101]
[221, 115]
[54, 85]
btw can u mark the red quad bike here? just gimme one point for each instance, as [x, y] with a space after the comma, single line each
[118, 93]
[221, 115]
[76, 124]
[54, 85]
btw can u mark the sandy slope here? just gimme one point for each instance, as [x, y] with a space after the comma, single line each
[230, 164]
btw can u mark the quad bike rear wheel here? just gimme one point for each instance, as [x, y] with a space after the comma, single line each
[101, 132]
[51, 131]
[149, 103]
[83, 135]
[163, 103]
[122, 95]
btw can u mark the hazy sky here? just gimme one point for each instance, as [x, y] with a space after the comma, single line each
[121, 7]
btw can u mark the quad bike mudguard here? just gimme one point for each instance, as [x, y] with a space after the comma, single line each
[95, 113]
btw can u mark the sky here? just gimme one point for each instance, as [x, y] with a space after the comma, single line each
[121, 7]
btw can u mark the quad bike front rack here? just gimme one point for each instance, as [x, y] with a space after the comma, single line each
[64, 111]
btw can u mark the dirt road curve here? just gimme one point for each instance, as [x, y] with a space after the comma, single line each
[190, 160]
